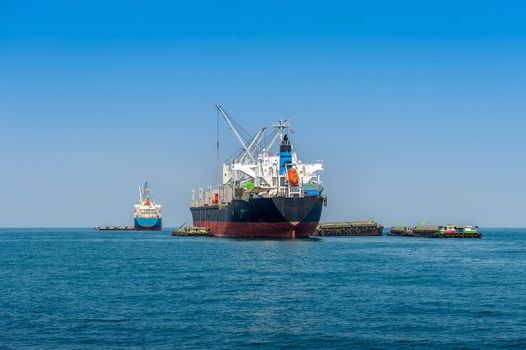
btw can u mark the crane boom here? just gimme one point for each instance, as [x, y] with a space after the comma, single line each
[254, 144]
[235, 132]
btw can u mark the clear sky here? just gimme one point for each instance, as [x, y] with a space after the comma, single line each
[416, 107]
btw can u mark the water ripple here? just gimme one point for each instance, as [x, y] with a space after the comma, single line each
[72, 289]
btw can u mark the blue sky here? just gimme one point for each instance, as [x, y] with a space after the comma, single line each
[417, 108]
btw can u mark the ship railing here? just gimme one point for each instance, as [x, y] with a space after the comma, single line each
[294, 192]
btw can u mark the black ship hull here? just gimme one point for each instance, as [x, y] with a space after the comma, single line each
[277, 217]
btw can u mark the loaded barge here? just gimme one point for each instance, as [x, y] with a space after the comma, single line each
[448, 231]
[349, 228]
[192, 231]
[115, 228]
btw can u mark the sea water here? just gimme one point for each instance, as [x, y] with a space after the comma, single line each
[82, 289]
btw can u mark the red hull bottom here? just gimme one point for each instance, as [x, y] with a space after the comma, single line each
[259, 229]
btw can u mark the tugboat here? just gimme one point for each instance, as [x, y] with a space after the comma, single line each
[147, 215]
[263, 194]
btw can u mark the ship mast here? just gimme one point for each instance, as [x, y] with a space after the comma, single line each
[146, 190]
[279, 126]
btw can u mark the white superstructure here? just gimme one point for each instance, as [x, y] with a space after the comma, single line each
[261, 170]
[146, 207]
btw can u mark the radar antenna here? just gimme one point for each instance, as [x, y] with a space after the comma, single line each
[279, 126]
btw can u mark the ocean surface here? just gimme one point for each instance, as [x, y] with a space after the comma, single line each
[83, 289]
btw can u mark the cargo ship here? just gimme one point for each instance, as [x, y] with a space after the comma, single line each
[265, 191]
[147, 215]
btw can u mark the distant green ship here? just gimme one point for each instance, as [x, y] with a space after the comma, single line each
[448, 231]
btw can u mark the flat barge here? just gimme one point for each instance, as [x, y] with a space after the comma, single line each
[449, 231]
[115, 228]
[349, 228]
[192, 231]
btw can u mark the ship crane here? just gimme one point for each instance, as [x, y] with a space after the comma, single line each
[258, 141]
[234, 130]
[246, 163]
[144, 192]
[254, 144]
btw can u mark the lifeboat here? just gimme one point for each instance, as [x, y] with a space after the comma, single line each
[293, 177]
